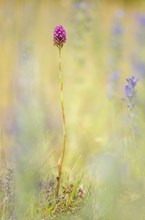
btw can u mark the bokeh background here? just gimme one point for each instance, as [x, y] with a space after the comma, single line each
[105, 45]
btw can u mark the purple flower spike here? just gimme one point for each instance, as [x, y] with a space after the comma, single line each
[132, 81]
[59, 36]
[130, 91]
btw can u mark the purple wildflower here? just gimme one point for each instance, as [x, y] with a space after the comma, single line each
[82, 5]
[141, 19]
[131, 100]
[117, 29]
[138, 66]
[120, 13]
[59, 36]
[114, 77]
[130, 91]
[132, 81]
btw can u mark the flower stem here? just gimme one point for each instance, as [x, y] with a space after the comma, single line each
[60, 161]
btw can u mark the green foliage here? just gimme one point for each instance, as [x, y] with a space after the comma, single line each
[71, 199]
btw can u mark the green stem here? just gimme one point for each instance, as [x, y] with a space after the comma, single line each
[2, 153]
[60, 161]
[133, 137]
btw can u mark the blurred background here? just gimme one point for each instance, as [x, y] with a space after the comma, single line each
[105, 45]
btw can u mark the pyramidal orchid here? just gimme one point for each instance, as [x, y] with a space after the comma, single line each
[59, 38]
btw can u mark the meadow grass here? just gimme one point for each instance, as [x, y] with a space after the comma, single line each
[72, 197]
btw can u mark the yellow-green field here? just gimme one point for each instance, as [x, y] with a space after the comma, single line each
[105, 121]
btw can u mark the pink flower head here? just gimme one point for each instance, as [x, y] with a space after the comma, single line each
[59, 36]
